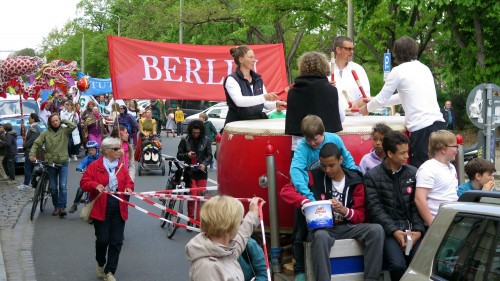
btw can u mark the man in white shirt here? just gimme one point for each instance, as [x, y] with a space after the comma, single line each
[415, 88]
[343, 77]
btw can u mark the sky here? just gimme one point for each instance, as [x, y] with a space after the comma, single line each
[24, 23]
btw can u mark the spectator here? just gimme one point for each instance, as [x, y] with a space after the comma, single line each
[170, 127]
[147, 127]
[246, 94]
[127, 121]
[224, 233]
[88, 110]
[3, 151]
[480, 172]
[134, 110]
[179, 118]
[210, 131]
[437, 178]
[156, 114]
[93, 126]
[390, 193]
[109, 214]
[45, 111]
[196, 148]
[8, 161]
[344, 188]
[279, 113]
[55, 140]
[31, 136]
[128, 150]
[92, 155]
[449, 115]
[416, 92]
[70, 114]
[312, 94]
[304, 158]
[377, 154]
[348, 89]
[253, 262]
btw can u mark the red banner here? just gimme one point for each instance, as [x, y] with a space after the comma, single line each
[146, 70]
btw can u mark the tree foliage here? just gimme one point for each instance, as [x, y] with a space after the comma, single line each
[457, 39]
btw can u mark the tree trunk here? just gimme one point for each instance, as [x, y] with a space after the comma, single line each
[478, 34]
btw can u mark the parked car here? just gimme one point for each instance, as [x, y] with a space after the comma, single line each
[15, 120]
[216, 114]
[463, 242]
[10, 106]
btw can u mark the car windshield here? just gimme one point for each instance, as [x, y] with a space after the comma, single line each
[17, 121]
[12, 107]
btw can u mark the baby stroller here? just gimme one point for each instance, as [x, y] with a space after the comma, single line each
[151, 156]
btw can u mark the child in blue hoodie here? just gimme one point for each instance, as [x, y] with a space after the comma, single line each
[92, 155]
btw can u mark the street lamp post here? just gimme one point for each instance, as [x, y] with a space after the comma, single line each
[83, 51]
[180, 22]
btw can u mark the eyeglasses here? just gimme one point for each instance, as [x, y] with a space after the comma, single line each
[115, 148]
[122, 107]
[455, 146]
[348, 49]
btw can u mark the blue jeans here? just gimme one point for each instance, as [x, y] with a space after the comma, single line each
[28, 169]
[58, 178]
[179, 129]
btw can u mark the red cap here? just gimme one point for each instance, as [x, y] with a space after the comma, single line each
[460, 139]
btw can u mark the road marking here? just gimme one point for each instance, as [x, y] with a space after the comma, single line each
[212, 181]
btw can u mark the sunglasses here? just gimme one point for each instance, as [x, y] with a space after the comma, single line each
[347, 49]
[115, 148]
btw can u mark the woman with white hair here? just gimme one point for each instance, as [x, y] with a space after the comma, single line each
[109, 214]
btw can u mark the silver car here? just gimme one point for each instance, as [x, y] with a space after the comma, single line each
[463, 242]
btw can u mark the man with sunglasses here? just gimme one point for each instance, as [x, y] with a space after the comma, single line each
[348, 89]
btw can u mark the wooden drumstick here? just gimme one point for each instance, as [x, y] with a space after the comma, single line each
[332, 66]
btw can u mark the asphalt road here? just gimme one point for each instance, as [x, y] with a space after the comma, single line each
[63, 248]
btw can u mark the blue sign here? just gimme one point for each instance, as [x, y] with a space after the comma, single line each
[97, 86]
[387, 62]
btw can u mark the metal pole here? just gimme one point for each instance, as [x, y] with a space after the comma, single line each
[489, 119]
[460, 159]
[273, 210]
[83, 52]
[350, 19]
[180, 22]
[118, 25]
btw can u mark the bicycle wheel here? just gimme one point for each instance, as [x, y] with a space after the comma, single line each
[36, 198]
[45, 193]
[163, 212]
[171, 228]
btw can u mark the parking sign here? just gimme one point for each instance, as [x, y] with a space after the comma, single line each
[387, 64]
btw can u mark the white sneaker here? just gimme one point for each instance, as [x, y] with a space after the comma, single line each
[100, 272]
[75, 158]
[109, 277]
[22, 187]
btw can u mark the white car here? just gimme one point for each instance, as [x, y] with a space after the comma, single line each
[216, 114]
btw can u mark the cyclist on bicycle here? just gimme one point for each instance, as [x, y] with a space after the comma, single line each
[92, 155]
[196, 148]
[55, 139]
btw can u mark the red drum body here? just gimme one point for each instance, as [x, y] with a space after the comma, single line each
[242, 156]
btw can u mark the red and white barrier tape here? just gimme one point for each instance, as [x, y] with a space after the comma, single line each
[261, 216]
[141, 196]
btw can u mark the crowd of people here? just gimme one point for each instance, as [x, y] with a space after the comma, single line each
[394, 193]
[387, 202]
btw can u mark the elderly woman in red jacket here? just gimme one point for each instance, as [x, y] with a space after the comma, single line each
[108, 213]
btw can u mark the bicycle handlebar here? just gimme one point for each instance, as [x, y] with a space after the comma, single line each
[45, 163]
[181, 163]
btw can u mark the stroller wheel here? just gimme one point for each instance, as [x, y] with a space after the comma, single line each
[140, 171]
[162, 170]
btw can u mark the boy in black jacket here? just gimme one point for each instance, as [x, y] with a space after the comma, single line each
[390, 193]
[11, 149]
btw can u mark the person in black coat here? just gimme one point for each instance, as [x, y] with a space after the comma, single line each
[196, 148]
[10, 145]
[449, 115]
[312, 93]
[390, 192]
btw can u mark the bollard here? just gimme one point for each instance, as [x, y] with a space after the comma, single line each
[273, 210]
[460, 160]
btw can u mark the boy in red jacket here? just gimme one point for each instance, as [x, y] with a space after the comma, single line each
[345, 189]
